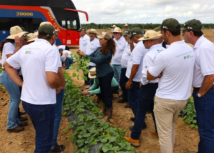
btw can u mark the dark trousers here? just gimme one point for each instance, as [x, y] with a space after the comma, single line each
[88, 81]
[58, 115]
[123, 80]
[113, 91]
[145, 101]
[205, 119]
[133, 94]
[42, 117]
[105, 88]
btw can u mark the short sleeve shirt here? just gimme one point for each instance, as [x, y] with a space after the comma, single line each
[204, 61]
[58, 55]
[8, 48]
[149, 61]
[64, 52]
[83, 41]
[176, 64]
[35, 60]
[91, 47]
[136, 58]
[120, 46]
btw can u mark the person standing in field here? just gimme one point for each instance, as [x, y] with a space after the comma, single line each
[175, 67]
[104, 72]
[38, 61]
[134, 70]
[84, 39]
[203, 80]
[91, 47]
[113, 27]
[148, 88]
[120, 46]
[10, 46]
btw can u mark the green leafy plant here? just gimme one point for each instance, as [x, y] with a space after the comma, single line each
[189, 113]
[1, 69]
[82, 64]
[91, 130]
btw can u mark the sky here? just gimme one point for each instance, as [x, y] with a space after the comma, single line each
[145, 11]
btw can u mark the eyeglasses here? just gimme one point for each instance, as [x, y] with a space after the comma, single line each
[115, 32]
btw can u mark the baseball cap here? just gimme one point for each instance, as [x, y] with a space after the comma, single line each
[127, 32]
[170, 24]
[157, 28]
[81, 29]
[136, 31]
[47, 30]
[192, 25]
[104, 35]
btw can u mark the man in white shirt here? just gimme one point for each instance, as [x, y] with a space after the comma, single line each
[134, 69]
[113, 27]
[203, 79]
[148, 88]
[92, 45]
[66, 58]
[176, 65]
[39, 66]
[120, 46]
[84, 40]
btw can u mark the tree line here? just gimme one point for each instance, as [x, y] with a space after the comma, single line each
[143, 26]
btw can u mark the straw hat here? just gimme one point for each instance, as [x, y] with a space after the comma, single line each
[113, 26]
[117, 29]
[42, 23]
[104, 35]
[32, 36]
[126, 25]
[16, 31]
[92, 73]
[150, 35]
[92, 31]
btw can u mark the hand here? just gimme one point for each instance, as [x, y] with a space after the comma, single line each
[58, 90]
[18, 42]
[160, 75]
[128, 85]
[201, 93]
[85, 92]
[141, 84]
[130, 41]
[64, 60]
[81, 53]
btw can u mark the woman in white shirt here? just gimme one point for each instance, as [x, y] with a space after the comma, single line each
[9, 47]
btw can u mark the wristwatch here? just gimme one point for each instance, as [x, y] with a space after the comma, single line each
[199, 95]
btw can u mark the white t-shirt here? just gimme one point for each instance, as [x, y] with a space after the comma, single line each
[136, 58]
[35, 60]
[62, 47]
[149, 61]
[204, 61]
[8, 48]
[126, 55]
[83, 41]
[177, 64]
[91, 47]
[120, 46]
[64, 52]
[58, 55]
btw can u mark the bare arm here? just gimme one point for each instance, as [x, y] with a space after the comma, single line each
[131, 45]
[53, 79]
[61, 77]
[207, 84]
[133, 73]
[151, 77]
[12, 73]
[66, 55]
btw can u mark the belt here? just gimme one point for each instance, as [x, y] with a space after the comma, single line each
[197, 89]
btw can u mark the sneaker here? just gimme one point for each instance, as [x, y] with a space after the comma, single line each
[154, 133]
[21, 119]
[135, 143]
[132, 119]
[127, 106]
[57, 148]
[122, 100]
[144, 127]
[16, 129]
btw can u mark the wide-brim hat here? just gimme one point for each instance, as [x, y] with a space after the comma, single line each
[46, 22]
[92, 31]
[16, 31]
[113, 26]
[104, 35]
[126, 25]
[92, 73]
[118, 30]
[150, 35]
[32, 37]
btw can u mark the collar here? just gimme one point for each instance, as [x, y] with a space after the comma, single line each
[177, 43]
[41, 40]
[93, 39]
[198, 42]
[154, 46]
[120, 38]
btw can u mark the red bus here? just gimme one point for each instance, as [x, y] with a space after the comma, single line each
[30, 13]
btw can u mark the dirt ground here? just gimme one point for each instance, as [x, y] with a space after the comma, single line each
[24, 142]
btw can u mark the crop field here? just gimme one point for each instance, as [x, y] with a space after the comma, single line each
[186, 139]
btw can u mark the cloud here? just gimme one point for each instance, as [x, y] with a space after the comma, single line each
[145, 11]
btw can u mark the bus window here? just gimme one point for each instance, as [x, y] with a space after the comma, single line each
[71, 24]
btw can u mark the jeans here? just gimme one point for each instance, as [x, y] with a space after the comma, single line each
[123, 80]
[205, 119]
[117, 72]
[105, 88]
[58, 116]
[133, 94]
[42, 117]
[88, 81]
[145, 101]
[68, 62]
[15, 94]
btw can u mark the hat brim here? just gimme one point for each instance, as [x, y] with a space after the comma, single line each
[33, 39]
[91, 77]
[117, 31]
[94, 32]
[157, 37]
[18, 34]
[100, 37]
